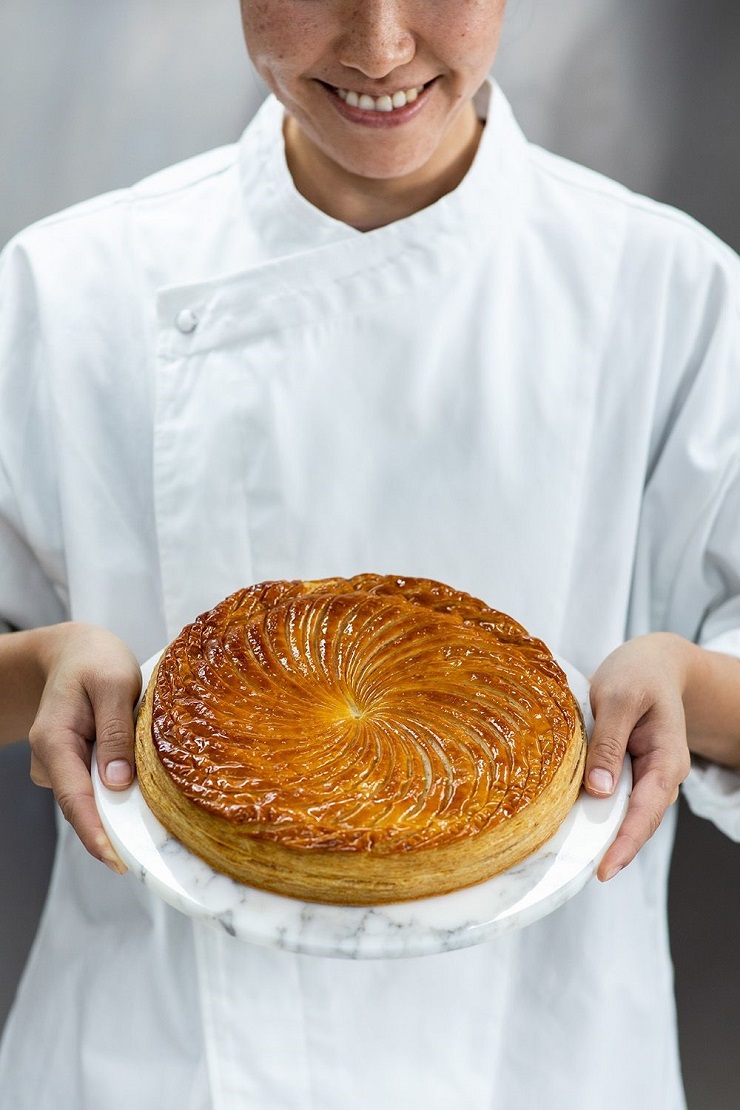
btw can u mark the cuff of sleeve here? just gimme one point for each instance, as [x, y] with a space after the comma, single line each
[712, 791]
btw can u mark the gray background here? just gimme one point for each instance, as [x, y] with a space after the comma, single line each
[96, 93]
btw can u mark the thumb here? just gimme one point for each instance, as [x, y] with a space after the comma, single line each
[608, 743]
[114, 732]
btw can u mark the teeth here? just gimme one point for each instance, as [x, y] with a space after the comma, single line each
[383, 103]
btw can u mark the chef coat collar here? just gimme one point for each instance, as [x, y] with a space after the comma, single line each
[287, 223]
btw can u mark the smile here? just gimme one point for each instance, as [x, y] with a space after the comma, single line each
[385, 103]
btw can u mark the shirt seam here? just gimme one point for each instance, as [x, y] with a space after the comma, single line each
[561, 169]
[131, 196]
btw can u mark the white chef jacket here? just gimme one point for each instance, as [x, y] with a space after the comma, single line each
[528, 390]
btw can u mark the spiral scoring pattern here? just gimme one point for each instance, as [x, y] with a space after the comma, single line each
[371, 712]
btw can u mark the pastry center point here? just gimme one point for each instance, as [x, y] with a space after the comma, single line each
[355, 711]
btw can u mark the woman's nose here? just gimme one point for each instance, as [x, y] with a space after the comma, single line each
[378, 38]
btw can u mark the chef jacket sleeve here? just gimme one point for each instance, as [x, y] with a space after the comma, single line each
[688, 565]
[712, 791]
[28, 597]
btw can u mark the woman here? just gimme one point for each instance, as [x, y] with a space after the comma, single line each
[382, 333]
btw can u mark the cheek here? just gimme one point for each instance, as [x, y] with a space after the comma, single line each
[469, 32]
[265, 37]
[280, 35]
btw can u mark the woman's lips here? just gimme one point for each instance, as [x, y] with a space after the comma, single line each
[380, 116]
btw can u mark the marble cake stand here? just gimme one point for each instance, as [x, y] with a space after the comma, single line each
[525, 893]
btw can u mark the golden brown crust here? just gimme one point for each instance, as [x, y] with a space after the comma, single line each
[359, 740]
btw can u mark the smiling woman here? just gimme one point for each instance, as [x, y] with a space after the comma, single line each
[379, 96]
[239, 386]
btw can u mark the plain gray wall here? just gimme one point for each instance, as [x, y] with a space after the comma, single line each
[95, 95]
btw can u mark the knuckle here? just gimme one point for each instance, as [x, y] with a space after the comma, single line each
[650, 817]
[106, 675]
[655, 817]
[116, 737]
[40, 744]
[635, 842]
[609, 748]
[623, 701]
[69, 803]
[667, 788]
[39, 776]
[671, 772]
[37, 737]
[684, 765]
[35, 775]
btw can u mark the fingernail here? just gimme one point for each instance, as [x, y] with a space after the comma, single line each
[614, 871]
[118, 772]
[600, 781]
[108, 856]
[114, 864]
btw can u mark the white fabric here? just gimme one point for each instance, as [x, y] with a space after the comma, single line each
[528, 390]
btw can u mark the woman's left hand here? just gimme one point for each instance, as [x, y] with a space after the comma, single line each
[637, 698]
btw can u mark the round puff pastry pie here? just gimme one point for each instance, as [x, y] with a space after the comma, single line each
[359, 741]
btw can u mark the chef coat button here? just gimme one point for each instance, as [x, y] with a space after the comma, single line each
[186, 321]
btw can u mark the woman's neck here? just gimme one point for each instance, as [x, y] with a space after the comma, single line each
[368, 203]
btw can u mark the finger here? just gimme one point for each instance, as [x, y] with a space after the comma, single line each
[613, 723]
[66, 759]
[39, 776]
[114, 731]
[654, 791]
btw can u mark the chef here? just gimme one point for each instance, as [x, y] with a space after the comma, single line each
[381, 333]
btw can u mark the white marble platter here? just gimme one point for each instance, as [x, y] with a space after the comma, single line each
[525, 893]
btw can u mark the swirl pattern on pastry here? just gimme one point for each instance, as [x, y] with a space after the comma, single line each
[372, 713]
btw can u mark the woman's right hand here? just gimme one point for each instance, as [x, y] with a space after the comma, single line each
[91, 682]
